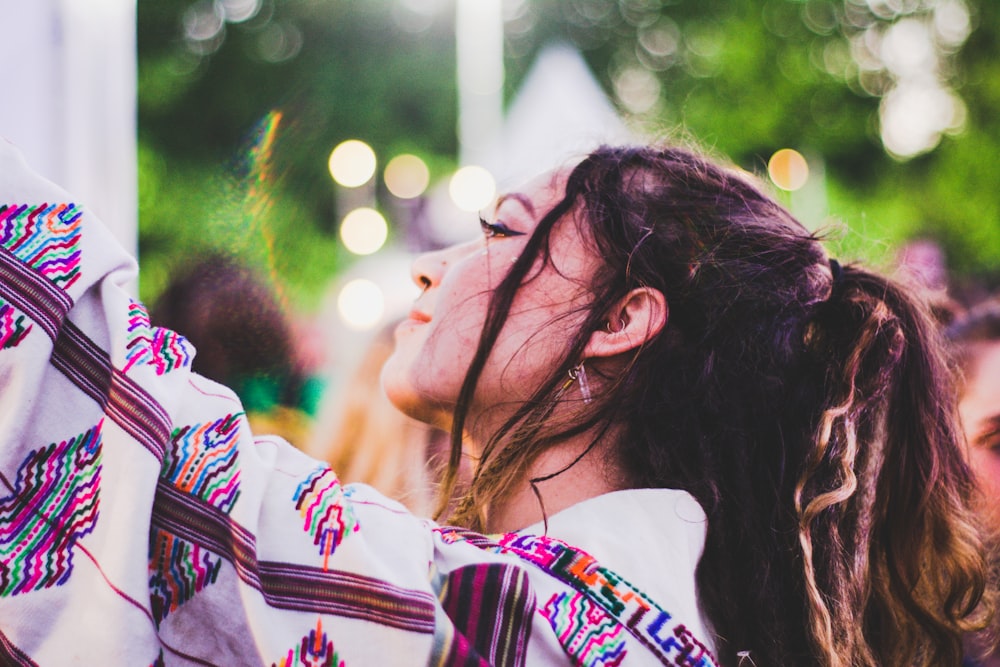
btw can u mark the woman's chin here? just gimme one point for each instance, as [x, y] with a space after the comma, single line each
[412, 403]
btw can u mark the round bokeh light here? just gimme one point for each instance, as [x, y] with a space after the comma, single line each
[364, 231]
[361, 304]
[788, 169]
[472, 188]
[407, 176]
[352, 163]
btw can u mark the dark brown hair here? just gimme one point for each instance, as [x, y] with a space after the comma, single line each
[811, 417]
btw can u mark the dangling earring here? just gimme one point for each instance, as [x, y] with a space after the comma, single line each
[579, 373]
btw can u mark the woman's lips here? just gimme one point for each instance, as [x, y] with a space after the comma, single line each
[419, 316]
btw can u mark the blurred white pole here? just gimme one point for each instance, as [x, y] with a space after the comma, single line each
[68, 72]
[479, 46]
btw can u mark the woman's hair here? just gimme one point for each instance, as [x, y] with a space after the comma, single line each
[807, 407]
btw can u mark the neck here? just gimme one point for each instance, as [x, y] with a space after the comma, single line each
[596, 473]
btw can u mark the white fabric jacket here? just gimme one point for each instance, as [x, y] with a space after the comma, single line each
[142, 523]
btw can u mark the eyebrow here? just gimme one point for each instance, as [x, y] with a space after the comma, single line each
[521, 199]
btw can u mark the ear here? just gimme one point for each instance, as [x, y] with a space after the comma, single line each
[634, 319]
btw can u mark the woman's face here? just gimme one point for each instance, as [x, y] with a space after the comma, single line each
[435, 345]
[979, 408]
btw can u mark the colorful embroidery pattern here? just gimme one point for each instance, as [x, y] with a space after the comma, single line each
[202, 463]
[177, 571]
[671, 641]
[13, 326]
[491, 607]
[315, 650]
[587, 633]
[160, 348]
[288, 585]
[45, 237]
[327, 517]
[55, 502]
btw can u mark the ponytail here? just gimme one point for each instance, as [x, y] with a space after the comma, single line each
[894, 566]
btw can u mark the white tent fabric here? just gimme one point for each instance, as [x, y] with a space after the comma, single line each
[71, 67]
[559, 114]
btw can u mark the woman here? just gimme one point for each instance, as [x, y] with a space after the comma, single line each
[715, 445]
[802, 404]
[975, 338]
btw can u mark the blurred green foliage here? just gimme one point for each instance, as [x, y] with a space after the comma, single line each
[742, 78]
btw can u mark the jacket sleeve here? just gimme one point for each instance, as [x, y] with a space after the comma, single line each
[141, 522]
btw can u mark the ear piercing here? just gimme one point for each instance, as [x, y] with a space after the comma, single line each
[621, 326]
[579, 374]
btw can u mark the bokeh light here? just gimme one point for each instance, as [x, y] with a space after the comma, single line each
[364, 231]
[637, 88]
[204, 27]
[203, 21]
[788, 169]
[352, 163]
[472, 188]
[237, 11]
[915, 114]
[361, 304]
[407, 176]
[278, 42]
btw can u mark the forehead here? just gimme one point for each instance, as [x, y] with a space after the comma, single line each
[535, 198]
[984, 371]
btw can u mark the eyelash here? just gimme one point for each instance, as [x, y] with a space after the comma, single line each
[990, 439]
[493, 230]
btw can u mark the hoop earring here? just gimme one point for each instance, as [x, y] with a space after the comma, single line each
[621, 322]
[579, 373]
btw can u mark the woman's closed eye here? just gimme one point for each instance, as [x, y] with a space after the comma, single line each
[497, 229]
[989, 435]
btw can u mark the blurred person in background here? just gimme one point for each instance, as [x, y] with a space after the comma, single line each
[245, 340]
[975, 337]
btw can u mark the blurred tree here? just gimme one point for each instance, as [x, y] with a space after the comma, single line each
[893, 101]
[219, 171]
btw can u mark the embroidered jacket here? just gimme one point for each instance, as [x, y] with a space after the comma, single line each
[141, 523]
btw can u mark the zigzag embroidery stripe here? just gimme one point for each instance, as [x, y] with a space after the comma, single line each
[644, 619]
[202, 461]
[286, 585]
[128, 405]
[326, 514]
[314, 649]
[32, 294]
[160, 348]
[45, 237]
[13, 327]
[54, 502]
[179, 570]
[587, 633]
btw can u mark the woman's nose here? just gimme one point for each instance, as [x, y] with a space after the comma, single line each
[428, 268]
